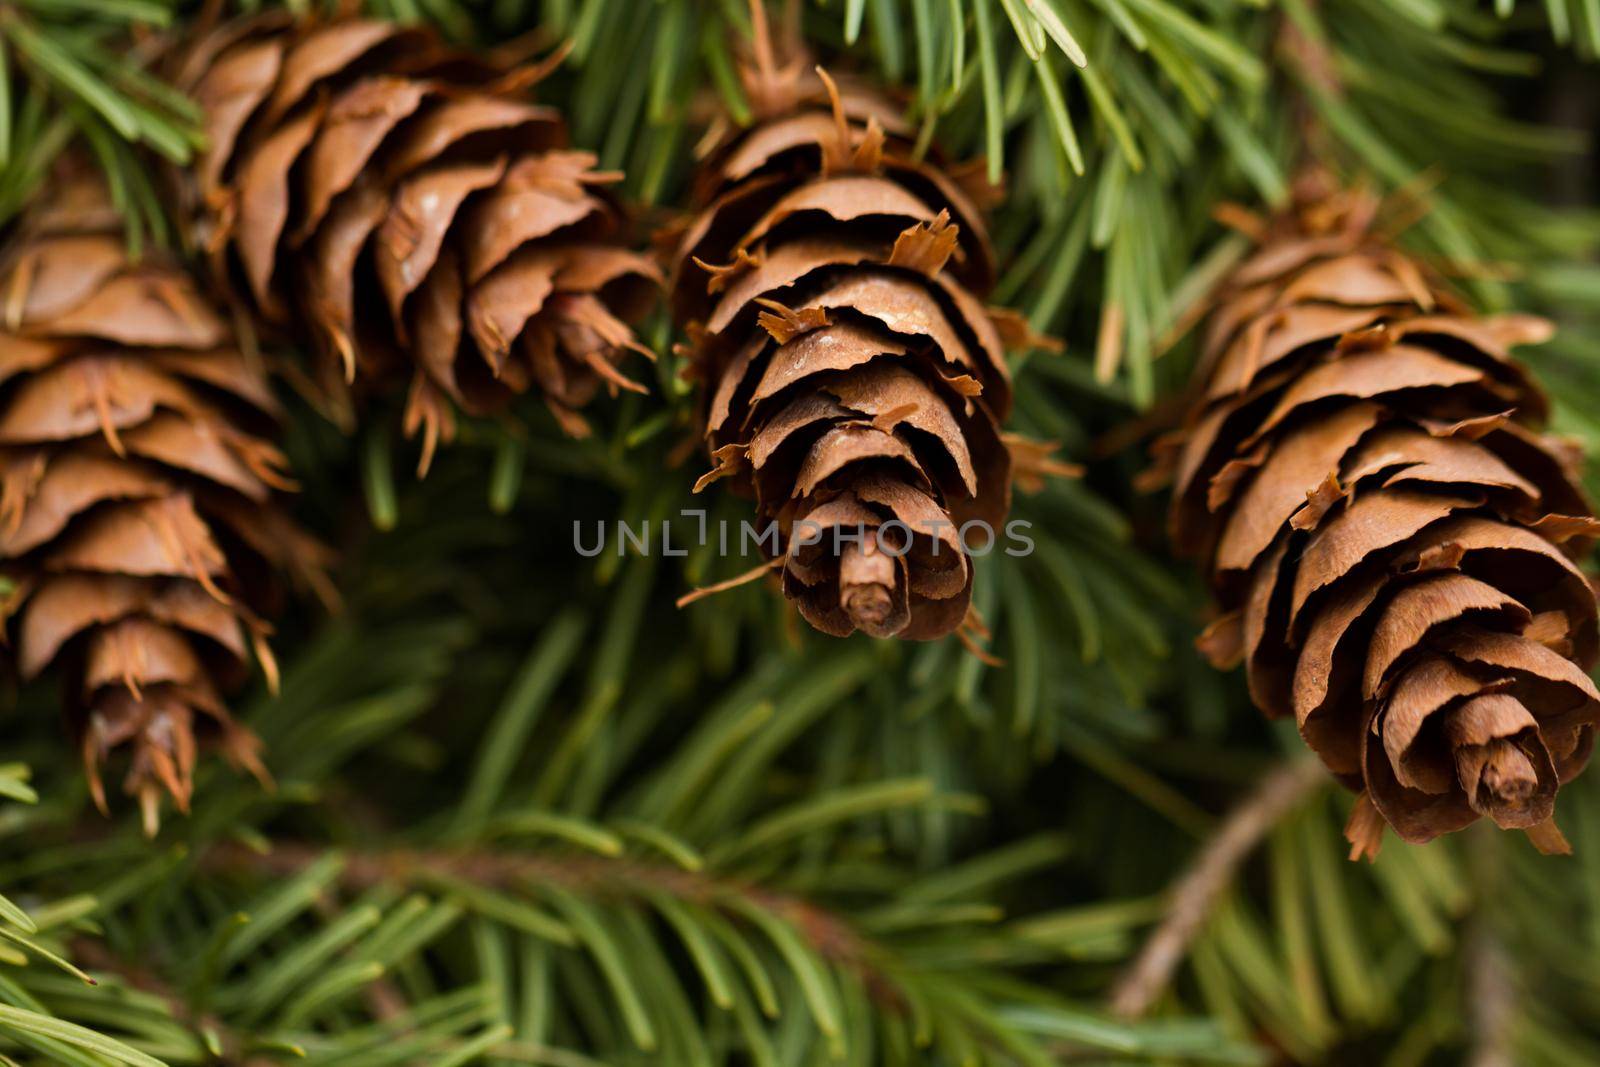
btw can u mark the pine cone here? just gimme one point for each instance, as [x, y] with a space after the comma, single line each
[406, 206]
[1390, 537]
[854, 382]
[136, 519]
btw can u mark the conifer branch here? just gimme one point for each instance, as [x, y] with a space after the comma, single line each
[913, 931]
[830, 935]
[1209, 874]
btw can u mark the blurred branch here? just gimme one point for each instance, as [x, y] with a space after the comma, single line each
[1491, 1000]
[1194, 894]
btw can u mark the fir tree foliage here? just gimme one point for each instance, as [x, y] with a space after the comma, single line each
[529, 812]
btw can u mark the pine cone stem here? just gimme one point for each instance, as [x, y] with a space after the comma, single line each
[866, 588]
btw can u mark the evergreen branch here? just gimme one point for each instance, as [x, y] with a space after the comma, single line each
[1492, 1000]
[1113, 169]
[829, 935]
[1194, 895]
[62, 79]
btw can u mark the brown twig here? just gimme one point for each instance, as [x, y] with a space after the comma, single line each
[1197, 890]
[1491, 1000]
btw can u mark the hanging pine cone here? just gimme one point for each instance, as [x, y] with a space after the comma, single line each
[136, 521]
[410, 209]
[853, 379]
[1390, 537]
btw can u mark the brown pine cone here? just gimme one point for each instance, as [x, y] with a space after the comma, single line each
[138, 534]
[1390, 537]
[406, 206]
[853, 379]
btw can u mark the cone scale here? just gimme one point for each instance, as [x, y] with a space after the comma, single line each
[1391, 539]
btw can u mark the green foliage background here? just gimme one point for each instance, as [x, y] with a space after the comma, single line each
[529, 812]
